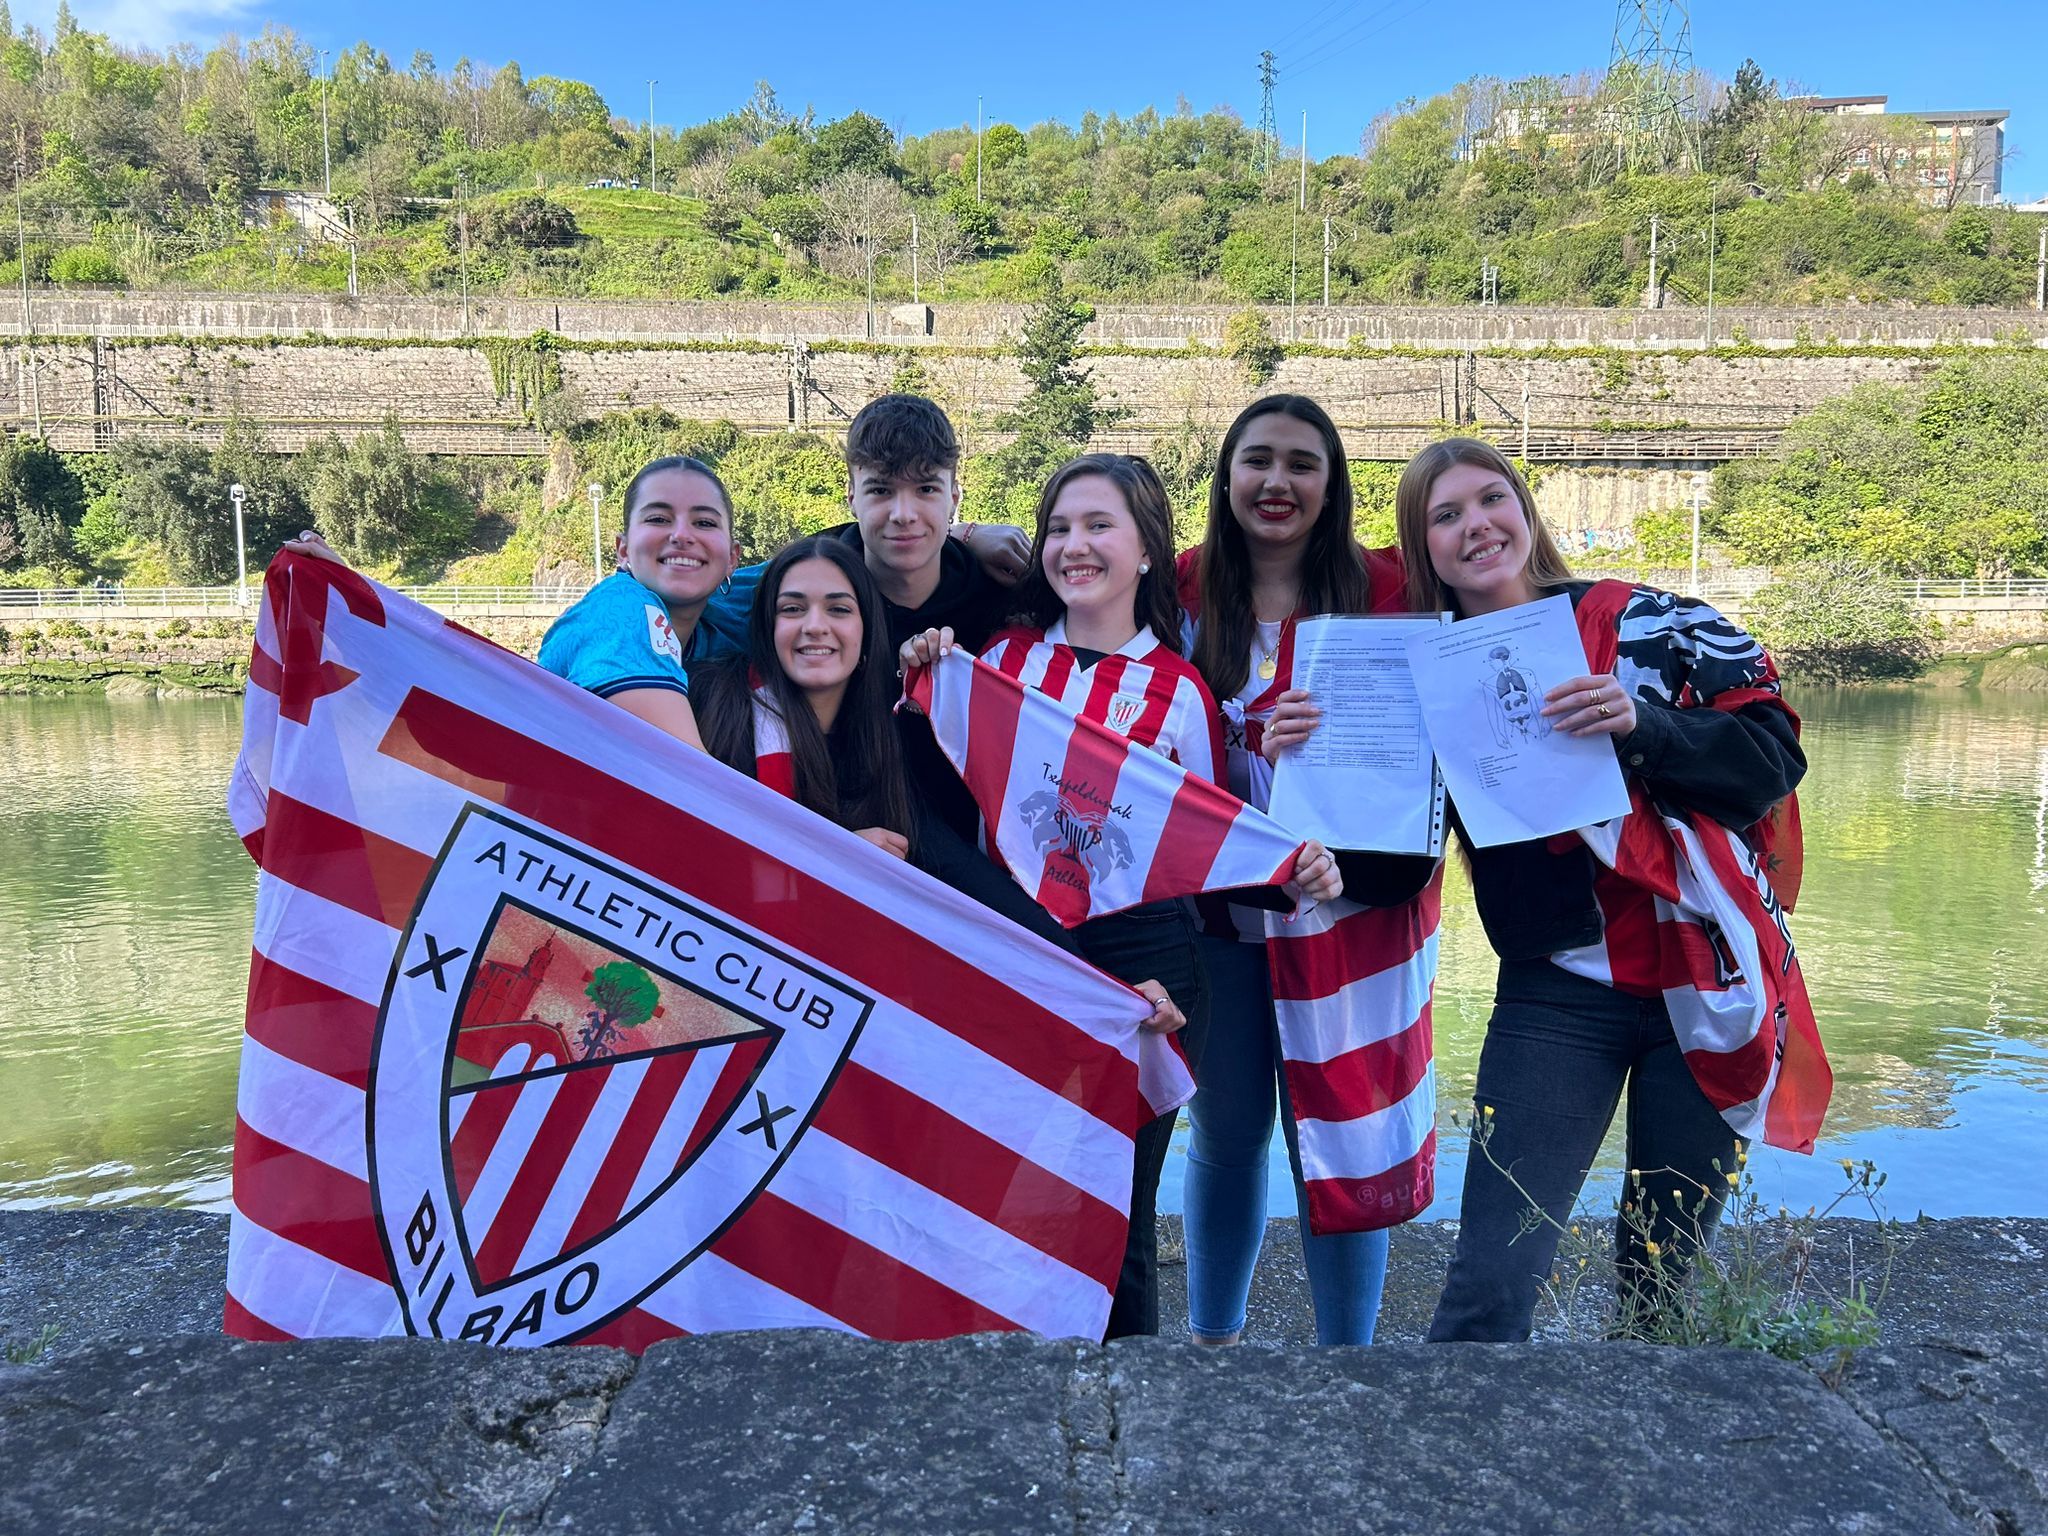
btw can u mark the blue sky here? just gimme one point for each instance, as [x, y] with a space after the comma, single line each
[919, 65]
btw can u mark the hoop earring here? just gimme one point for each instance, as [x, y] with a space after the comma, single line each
[725, 586]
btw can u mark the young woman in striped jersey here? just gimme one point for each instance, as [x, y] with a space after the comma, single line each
[1099, 628]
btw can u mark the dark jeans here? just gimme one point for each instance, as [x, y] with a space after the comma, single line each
[1559, 1050]
[1149, 943]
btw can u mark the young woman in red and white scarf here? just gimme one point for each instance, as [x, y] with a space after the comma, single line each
[1610, 979]
[1327, 1015]
[806, 710]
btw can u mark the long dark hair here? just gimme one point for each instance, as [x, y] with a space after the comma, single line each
[1155, 603]
[863, 740]
[1333, 577]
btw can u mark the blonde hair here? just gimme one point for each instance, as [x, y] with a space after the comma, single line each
[1426, 590]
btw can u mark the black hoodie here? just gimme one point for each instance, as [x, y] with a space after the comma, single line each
[973, 604]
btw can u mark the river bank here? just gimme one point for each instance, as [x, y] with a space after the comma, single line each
[174, 658]
[140, 1416]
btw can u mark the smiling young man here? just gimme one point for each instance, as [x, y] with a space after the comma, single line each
[903, 483]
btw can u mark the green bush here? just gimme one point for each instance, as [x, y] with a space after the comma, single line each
[1839, 621]
[174, 629]
[1249, 339]
[85, 266]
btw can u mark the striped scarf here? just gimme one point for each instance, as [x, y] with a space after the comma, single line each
[1723, 953]
[1352, 990]
[772, 765]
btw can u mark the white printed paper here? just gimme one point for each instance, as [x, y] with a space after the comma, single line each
[1365, 778]
[1512, 775]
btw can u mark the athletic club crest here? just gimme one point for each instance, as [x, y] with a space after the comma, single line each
[1125, 710]
[580, 1080]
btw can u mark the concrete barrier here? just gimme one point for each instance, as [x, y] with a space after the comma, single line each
[141, 1417]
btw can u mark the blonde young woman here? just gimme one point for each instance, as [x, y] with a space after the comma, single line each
[1699, 728]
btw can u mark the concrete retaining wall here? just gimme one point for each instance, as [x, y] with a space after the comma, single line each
[1681, 410]
[141, 1417]
[1456, 327]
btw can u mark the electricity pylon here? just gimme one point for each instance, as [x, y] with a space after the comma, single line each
[1268, 147]
[1650, 79]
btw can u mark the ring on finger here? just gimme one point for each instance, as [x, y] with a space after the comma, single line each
[1606, 713]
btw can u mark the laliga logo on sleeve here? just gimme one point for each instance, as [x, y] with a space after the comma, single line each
[580, 1080]
[662, 636]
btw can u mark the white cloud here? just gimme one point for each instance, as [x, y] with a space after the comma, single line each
[142, 23]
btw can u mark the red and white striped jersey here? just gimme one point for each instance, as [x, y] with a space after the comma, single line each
[1145, 691]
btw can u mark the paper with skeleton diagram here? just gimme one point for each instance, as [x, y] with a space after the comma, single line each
[1512, 775]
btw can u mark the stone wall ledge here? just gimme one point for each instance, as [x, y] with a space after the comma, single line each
[142, 1417]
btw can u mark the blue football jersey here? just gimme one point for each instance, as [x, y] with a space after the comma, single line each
[616, 637]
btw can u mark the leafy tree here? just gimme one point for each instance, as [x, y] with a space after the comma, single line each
[1060, 412]
[1839, 619]
[375, 500]
[1185, 459]
[41, 501]
[857, 143]
[1950, 479]
[621, 995]
[171, 494]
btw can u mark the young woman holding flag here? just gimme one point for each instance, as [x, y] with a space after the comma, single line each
[1328, 1014]
[805, 708]
[1099, 629]
[1609, 979]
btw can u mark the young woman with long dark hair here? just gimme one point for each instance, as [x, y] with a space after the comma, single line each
[806, 709]
[1280, 547]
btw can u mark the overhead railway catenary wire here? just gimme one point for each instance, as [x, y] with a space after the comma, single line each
[1344, 42]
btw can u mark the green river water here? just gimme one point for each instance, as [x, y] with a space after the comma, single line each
[125, 903]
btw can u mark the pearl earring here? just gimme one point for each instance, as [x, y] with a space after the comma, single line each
[1144, 567]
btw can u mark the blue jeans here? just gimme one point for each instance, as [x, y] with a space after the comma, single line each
[1236, 1086]
[1559, 1049]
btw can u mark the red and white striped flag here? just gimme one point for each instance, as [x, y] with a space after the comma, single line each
[1086, 821]
[560, 1032]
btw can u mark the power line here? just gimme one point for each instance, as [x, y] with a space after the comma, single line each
[1343, 42]
[1317, 30]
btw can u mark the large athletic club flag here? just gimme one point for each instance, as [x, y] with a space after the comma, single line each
[1088, 823]
[558, 1031]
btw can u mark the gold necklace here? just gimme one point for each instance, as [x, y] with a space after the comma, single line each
[1269, 660]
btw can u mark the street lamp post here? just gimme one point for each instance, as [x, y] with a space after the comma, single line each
[238, 495]
[597, 530]
[326, 155]
[1696, 536]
